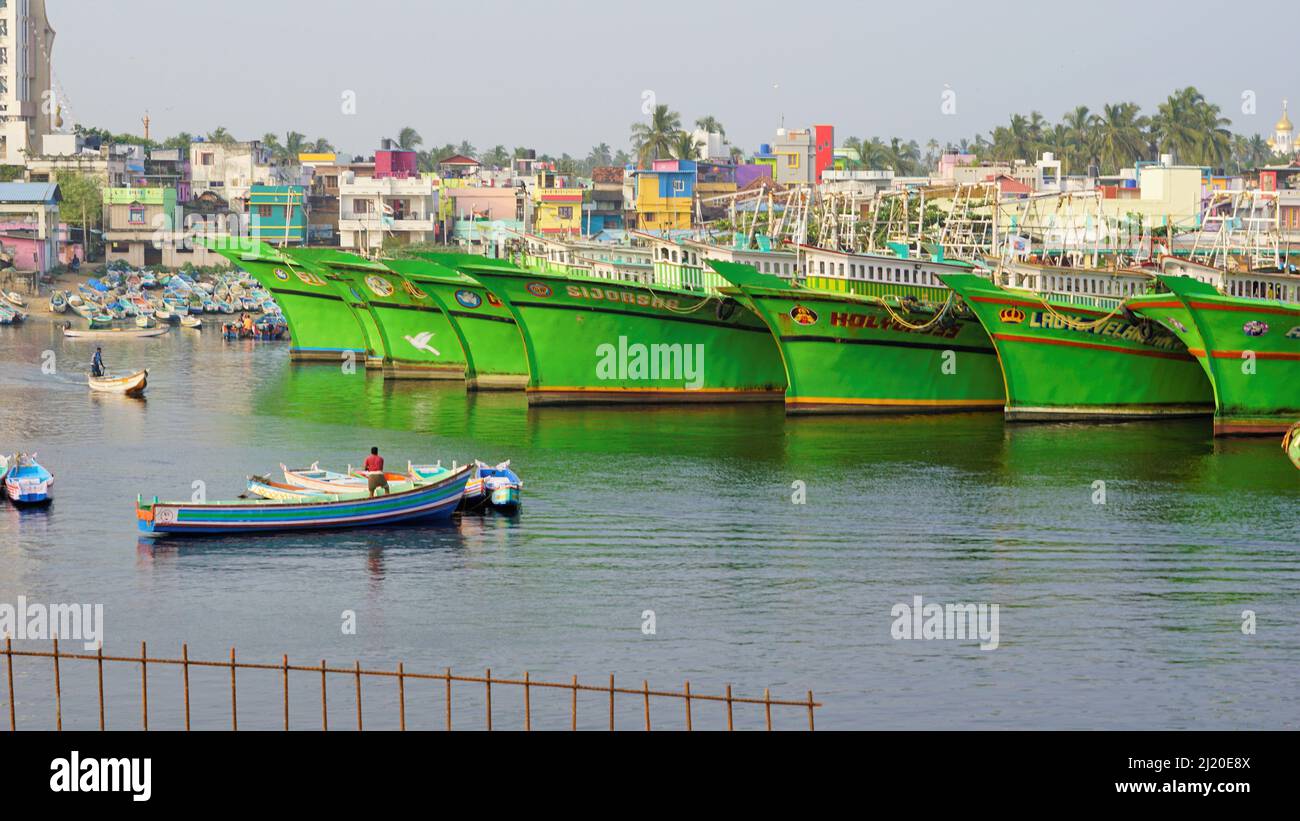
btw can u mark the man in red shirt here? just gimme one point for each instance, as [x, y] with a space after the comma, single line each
[374, 466]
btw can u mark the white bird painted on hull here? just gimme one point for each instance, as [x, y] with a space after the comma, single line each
[421, 342]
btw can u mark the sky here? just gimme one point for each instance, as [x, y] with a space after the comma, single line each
[563, 75]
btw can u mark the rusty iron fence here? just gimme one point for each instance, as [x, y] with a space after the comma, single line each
[642, 696]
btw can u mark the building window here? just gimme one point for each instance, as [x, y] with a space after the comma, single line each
[205, 159]
[136, 215]
[361, 206]
[566, 212]
[679, 186]
[264, 211]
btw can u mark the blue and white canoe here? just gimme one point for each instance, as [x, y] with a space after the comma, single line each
[25, 481]
[423, 503]
[501, 485]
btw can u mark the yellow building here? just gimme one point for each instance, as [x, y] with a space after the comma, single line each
[665, 196]
[557, 208]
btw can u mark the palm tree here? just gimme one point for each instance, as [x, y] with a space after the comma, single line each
[320, 146]
[221, 136]
[600, 155]
[1120, 137]
[655, 139]
[408, 139]
[710, 125]
[181, 140]
[684, 147]
[466, 148]
[1080, 137]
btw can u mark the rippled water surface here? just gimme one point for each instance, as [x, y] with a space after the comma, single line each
[1126, 614]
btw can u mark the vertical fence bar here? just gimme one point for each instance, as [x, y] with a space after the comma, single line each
[360, 726]
[811, 707]
[611, 702]
[645, 688]
[324, 711]
[688, 706]
[401, 694]
[767, 706]
[488, 684]
[448, 699]
[528, 705]
[185, 670]
[730, 723]
[58, 691]
[144, 685]
[574, 707]
[286, 691]
[100, 664]
[9, 654]
[234, 702]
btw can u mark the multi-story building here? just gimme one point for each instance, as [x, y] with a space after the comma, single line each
[794, 154]
[665, 195]
[374, 211]
[605, 208]
[230, 170]
[137, 224]
[557, 205]
[69, 154]
[26, 40]
[277, 214]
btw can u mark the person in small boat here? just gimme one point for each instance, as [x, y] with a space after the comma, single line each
[374, 467]
[97, 364]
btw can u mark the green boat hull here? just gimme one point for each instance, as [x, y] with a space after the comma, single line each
[597, 341]
[406, 328]
[847, 353]
[1248, 348]
[488, 333]
[1054, 370]
[323, 325]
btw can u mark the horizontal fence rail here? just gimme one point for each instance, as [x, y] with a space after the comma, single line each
[641, 696]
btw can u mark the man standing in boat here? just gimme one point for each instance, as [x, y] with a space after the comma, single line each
[97, 364]
[374, 467]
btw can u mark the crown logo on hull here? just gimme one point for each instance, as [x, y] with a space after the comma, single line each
[1011, 316]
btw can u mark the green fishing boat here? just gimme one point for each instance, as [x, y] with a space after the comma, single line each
[1069, 349]
[1247, 341]
[488, 334]
[324, 321]
[860, 339]
[404, 325]
[1291, 444]
[589, 339]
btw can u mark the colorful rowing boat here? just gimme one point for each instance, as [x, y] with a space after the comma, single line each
[26, 482]
[132, 385]
[422, 504]
[1291, 444]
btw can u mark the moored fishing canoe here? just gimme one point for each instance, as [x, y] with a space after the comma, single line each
[26, 482]
[423, 503]
[115, 333]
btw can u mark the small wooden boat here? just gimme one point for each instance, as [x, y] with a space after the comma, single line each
[59, 302]
[145, 321]
[9, 316]
[266, 488]
[501, 485]
[114, 333]
[25, 481]
[131, 385]
[327, 481]
[474, 496]
[424, 502]
[14, 299]
[191, 322]
[100, 322]
[1291, 444]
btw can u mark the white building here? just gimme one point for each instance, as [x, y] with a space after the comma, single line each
[27, 107]
[395, 210]
[1283, 141]
[230, 170]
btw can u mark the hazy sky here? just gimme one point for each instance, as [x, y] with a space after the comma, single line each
[564, 75]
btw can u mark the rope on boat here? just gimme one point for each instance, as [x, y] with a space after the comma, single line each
[1077, 325]
[935, 320]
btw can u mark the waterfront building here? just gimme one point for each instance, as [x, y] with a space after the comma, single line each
[26, 40]
[557, 205]
[37, 205]
[136, 221]
[168, 168]
[71, 154]
[1285, 180]
[665, 195]
[375, 211]
[794, 157]
[230, 170]
[21, 241]
[277, 214]
[604, 211]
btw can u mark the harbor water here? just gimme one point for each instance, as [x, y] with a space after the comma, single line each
[771, 550]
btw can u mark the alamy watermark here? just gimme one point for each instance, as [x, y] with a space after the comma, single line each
[637, 362]
[35, 621]
[951, 622]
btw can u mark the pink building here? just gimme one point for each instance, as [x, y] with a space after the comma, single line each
[399, 164]
[30, 251]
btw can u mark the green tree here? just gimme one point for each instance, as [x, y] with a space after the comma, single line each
[83, 199]
[655, 139]
[711, 125]
[408, 139]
